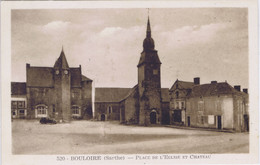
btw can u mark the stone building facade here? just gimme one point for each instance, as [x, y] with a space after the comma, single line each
[59, 92]
[215, 105]
[178, 94]
[107, 103]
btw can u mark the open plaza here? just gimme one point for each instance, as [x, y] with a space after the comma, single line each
[110, 137]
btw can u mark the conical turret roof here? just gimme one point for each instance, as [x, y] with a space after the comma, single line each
[61, 62]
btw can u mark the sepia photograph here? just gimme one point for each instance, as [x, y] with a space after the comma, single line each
[126, 83]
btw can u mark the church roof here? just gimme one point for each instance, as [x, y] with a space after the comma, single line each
[110, 94]
[149, 54]
[213, 89]
[18, 88]
[152, 58]
[130, 92]
[148, 43]
[119, 94]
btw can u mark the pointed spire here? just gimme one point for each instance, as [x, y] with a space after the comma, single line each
[148, 30]
[61, 61]
[148, 43]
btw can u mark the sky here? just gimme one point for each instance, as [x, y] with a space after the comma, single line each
[210, 43]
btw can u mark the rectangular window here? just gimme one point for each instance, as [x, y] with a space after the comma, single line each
[182, 105]
[200, 106]
[177, 105]
[211, 119]
[41, 110]
[109, 109]
[14, 104]
[21, 111]
[21, 104]
[75, 110]
[53, 108]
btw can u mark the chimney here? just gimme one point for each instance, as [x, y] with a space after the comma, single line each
[237, 87]
[245, 90]
[214, 82]
[196, 80]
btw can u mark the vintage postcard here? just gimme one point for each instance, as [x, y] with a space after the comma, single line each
[108, 82]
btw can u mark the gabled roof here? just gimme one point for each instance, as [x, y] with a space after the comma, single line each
[165, 95]
[120, 94]
[186, 84]
[183, 84]
[212, 90]
[110, 94]
[18, 88]
[39, 77]
[84, 78]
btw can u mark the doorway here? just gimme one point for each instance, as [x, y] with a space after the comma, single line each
[219, 122]
[177, 116]
[246, 120]
[103, 117]
[188, 118]
[153, 117]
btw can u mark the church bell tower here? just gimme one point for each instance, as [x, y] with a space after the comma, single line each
[149, 82]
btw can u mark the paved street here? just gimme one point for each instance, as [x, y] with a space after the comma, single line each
[91, 137]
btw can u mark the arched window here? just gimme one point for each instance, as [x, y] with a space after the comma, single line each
[41, 111]
[75, 110]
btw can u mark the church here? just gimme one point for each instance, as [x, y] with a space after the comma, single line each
[144, 104]
[60, 92]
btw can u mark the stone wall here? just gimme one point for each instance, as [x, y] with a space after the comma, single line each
[131, 108]
[204, 111]
[103, 108]
[37, 96]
